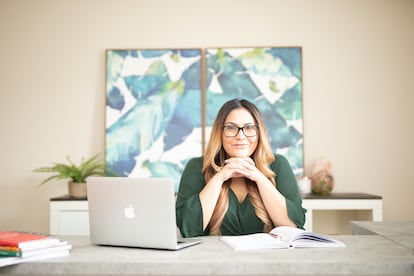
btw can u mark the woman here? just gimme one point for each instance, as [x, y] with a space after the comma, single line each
[240, 186]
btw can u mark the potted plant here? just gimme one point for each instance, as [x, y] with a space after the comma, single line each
[76, 174]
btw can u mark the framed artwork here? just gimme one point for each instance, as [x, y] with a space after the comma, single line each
[153, 111]
[271, 78]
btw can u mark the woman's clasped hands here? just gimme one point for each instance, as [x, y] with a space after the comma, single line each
[239, 167]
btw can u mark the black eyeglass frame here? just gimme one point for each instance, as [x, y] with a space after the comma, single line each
[256, 128]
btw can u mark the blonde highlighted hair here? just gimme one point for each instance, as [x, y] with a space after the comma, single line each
[215, 156]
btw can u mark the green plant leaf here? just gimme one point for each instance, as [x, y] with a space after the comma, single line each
[76, 173]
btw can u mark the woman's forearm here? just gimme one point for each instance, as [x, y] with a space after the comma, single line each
[274, 202]
[208, 198]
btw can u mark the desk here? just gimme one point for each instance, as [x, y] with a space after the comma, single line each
[401, 232]
[364, 255]
[341, 201]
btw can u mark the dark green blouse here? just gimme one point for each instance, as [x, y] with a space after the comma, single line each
[240, 218]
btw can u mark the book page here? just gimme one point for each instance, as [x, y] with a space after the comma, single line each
[287, 233]
[300, 238]
[254, 241]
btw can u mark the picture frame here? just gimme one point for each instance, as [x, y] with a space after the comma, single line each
[269, 77]
[153, 111]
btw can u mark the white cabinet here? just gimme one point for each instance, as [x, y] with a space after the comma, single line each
[341, 201]
[69, 216]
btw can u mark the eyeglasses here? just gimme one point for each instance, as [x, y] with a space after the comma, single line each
[233, 131]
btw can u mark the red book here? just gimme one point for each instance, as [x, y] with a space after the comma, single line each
[25, 240]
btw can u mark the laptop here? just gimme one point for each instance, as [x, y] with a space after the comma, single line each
[134, 212]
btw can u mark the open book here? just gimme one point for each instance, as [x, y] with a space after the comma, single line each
[281, 237]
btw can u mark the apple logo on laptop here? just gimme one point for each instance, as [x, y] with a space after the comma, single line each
[129, 212]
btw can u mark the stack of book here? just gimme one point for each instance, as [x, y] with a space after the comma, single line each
[18, 247]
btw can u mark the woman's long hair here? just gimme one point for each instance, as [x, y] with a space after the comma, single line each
[215, 156]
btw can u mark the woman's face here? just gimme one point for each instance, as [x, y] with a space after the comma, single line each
[240, 145]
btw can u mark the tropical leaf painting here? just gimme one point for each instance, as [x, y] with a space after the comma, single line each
[269, 77]
[153, 111]
[154, 103]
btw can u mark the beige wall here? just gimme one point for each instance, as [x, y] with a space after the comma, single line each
[357, 64]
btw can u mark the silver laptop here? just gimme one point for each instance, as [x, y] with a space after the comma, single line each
[134, 212]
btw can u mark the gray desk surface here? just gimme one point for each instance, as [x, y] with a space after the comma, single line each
[364, 255]
[399, 232]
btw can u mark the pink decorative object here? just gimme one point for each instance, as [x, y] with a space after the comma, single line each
[322, 181]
